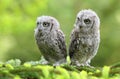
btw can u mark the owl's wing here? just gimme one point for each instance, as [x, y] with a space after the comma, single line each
[61, 42]
[73, 47]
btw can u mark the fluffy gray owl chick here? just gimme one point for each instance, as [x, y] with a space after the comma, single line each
[85, 38]
[50, 40]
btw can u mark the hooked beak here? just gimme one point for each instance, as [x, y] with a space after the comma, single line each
[80, 26]
[39, 28]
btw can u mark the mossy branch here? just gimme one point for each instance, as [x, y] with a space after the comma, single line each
[36, 71]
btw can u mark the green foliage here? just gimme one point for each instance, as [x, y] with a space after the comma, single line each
[18, 20]
[105, 72]
[32, 71]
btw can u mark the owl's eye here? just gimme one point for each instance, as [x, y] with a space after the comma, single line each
[46, 24]
[38, 23]
[78, 18]
[87, 21]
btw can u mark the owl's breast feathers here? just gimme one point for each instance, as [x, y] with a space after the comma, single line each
[52, 45]
[82, 43]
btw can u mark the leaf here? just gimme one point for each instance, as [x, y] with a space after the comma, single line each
[105, 72]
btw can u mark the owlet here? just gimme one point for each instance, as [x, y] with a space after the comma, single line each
[50, 40]
[85, 38]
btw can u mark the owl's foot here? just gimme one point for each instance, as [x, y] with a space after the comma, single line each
[60, 62]
[43, 61]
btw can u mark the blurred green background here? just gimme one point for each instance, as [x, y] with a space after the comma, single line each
[18, 20]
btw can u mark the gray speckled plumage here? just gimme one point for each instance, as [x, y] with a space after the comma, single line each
[85, 38]
[50, 40]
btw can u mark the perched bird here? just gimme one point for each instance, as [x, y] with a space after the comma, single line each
[85, 38]
[50, 40]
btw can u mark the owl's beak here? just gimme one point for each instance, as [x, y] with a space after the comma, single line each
[39, 29]
[80, 27]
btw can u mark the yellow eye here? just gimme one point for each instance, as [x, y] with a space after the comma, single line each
[46, 24]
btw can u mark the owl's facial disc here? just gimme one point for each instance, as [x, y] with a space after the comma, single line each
[84, 23]
[43, 25]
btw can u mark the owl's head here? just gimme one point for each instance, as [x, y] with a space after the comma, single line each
[46, 23]
[86, 20]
